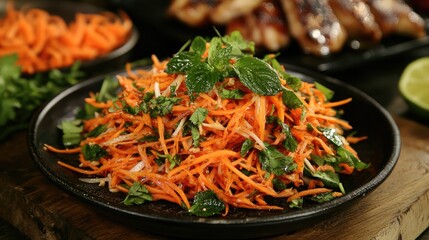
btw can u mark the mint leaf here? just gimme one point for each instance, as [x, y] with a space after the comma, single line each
[201, 78]
[257, 75]
[206, 204]
[182, 62]
[331, 135]
[293, 82]
[198, 45]
[290, 100]
[273, 161]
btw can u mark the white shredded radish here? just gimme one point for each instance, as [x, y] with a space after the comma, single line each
[308, 164]
[177, 82]
[139, 166]
[157, 89]
[179, 127]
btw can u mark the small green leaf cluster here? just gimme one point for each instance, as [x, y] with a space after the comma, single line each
[20, 95]
[228, 56]
[137, 194]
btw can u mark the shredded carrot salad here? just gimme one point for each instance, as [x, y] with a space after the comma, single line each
[44, 41]
[200, 144]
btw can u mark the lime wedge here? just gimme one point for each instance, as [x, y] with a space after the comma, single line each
[414, 86]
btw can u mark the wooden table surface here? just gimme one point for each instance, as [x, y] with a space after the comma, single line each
[397, 209]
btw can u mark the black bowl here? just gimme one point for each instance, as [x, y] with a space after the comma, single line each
[114, 60]
[366, 115]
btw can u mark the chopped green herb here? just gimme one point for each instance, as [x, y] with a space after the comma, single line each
[93, 152]
[329, 94]
[198, 116]
[246, 146]
[290, 100]
[72, 130]
[137, 195]
[273, 161]
[206, 204]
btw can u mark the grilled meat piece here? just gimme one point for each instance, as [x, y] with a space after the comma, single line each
[313, 24]
[192, 12]
[201, 12]
[227, 10]
[265, 26]
[357, 18]
[396, 17]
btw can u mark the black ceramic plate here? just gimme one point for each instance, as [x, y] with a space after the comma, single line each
[368, 118]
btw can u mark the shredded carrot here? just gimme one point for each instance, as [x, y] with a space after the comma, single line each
[215, 163]
[44, 41]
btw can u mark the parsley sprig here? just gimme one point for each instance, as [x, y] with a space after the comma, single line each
[20, 95]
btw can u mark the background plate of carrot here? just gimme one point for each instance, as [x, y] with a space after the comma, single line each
[381, 149]
[47, 35]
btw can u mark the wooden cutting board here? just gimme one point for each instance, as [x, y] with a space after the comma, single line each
[397, 209]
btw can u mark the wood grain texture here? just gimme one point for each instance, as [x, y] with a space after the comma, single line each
[397, 209]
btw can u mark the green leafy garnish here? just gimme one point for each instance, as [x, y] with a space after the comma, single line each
[137, 195]
[72, 130]
[257, 75]
[206, 204]
[20, 95]
[204, 72]
[93, 152]
[231, 94]
[160, 106]
[198, 116]
[290, 99]
[292, 81]
[296, 203]
[329, 94]
[273, 161]
[246, 146]
[322, 197]
[96, 131]
[331, 135]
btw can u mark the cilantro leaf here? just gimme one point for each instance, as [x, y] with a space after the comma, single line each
[257, 75]
[161, 105]
[231, 94]
[137, 195]
[198, 116]
[344, 155]
[238, 44]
